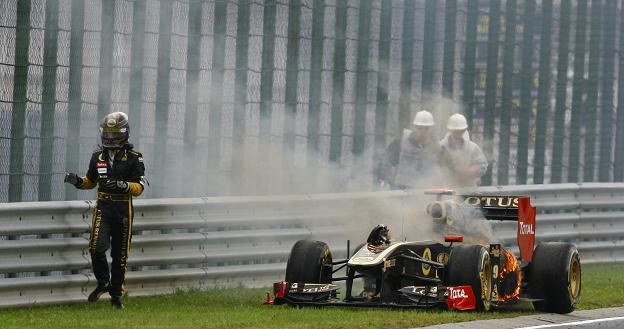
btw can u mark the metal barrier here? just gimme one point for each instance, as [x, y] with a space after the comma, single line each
[207, 242]
[591, 215]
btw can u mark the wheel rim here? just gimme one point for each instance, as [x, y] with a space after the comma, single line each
[574, 277]
[486, 281]
[326, 264]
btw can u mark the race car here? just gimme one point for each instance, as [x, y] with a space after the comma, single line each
[430, 274]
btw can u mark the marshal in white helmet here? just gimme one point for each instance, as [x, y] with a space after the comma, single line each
[463, 158]
[410, 158]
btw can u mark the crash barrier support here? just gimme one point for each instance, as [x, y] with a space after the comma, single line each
[227, 241]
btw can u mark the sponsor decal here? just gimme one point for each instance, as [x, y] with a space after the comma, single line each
[364, 252]
[442, 258]
[389, 263]
[426, 255]
[421, 291]
[461, 298]
[495, 293]
[311, 288]
[491, 201]
[140, 159]
[525, 229]
[457, 293]
[495, 250]
[326, 287]
[362, 260]
[365, 256]
[101, 164]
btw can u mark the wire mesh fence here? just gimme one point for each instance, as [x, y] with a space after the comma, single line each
[264, 96]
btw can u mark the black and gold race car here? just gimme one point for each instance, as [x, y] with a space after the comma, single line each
[429, 274]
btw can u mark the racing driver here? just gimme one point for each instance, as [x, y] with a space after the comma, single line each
[118, 172]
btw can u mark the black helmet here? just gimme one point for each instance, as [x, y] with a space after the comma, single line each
[115, 130]
[379, 236]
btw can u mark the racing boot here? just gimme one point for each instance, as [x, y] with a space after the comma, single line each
[101, 289]
[116, 302]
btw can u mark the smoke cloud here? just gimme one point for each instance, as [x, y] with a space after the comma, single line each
[263, 166]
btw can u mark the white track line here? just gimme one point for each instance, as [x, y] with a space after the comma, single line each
[577, 323]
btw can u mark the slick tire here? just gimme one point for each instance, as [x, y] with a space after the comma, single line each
[309, 262]
[466, 266]
[555, 277]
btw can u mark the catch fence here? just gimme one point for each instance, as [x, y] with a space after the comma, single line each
[245, 97]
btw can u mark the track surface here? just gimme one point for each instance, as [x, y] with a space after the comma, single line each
[604, 318]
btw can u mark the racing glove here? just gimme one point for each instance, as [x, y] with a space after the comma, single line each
[73, 179]
[118, 186]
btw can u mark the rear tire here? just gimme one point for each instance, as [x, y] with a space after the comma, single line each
[309, 262]
[555, 277]
[470, 265]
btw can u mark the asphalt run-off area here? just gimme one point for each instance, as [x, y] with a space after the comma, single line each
[604, 318]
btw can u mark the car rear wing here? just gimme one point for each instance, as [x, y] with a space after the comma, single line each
[503, 208]
[509, 208]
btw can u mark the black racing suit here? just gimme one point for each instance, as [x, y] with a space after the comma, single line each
[113, 213]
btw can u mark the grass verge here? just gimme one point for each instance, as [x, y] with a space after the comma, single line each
[602, 286]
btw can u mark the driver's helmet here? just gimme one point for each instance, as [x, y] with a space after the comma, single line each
[379, 236]
[115, 130]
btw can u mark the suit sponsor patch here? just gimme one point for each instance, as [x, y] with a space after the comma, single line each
[102, 170]
[101, 164]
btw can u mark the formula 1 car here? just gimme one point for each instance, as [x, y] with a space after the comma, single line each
[429, 274]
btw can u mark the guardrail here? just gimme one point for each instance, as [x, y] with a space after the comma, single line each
[206, 242]
[591, 215]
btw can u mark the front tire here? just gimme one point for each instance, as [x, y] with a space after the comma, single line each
[470, 265]
[309, 262]
[555, 277]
